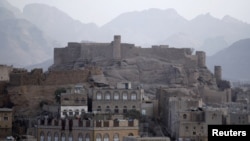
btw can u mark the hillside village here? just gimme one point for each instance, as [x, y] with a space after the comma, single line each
[118, 91]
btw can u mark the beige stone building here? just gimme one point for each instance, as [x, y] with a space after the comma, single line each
[86, 130]
[5, 122]
[133, 138]
[116, 100]
[74, 102]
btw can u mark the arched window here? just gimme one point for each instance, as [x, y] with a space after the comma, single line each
[98, 137]
[133, 96]
[116, 137]
[116, 109]
[124, 96]
[184, 116]
[70, 112]
[63, 137]
[125, 109]
[87, 137]
[48, 136]
[65, 112]
[41, 136]
[116, 96]
[133, 107]
[107, 96]
[130, 134]
[56, 137]
[98, 96]
[107, 109]
[99, 108]
[214, 116]
[82, 111]
[80, 137]
[76, 112]
[106, 137]
[70, 137]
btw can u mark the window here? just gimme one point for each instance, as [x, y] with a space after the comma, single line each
[107, 96]
[184, 116]
[83, 111]
[87, 138]
[49, 136]
[98, 96]
[99, 108]
[116, 137]
[133, 107]
[130, 134]
[80, 137]
[5, 118]
[41, 136]
[77, 112]
[125, 96]
[83, 100]
[106, 137]
[116, 109]
[133, 96]
[56, 136]
[116, 96]
[98, 137]
[186, 128]
[70, 137]
[63, 137]
[77, 100]
[214, 116]
[125, 109]
[70, 112]
[107, 109]
[65, 112]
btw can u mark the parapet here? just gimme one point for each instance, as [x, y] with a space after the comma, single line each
[201, 58]
[217, 73]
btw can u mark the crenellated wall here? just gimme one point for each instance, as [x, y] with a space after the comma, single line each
[91, 52]
[37, 77]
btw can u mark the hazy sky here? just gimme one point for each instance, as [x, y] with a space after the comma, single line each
[102, 11]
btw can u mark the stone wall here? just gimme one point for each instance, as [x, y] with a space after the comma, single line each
[213, 96]
[4, 72]
[37, 77]
[92, 52]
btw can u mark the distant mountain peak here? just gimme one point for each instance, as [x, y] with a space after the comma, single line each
[229, 19]
[205, 16]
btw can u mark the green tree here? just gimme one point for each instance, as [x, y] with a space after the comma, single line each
[58, 93]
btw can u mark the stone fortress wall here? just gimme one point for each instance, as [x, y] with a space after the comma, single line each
[118, 51]
[38, 77]
[4, 73]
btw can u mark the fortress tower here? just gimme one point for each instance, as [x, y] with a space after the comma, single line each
[117, 47]
[201, 59]
[217, 73]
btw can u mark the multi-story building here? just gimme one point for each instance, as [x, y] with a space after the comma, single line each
[193, 124]
[117, 100]
[74, 102]
[77, 123]
[91, 129]
[5, 122]
[130, 138]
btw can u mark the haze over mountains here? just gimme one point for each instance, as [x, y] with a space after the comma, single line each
[29, 37]
[22, 43]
